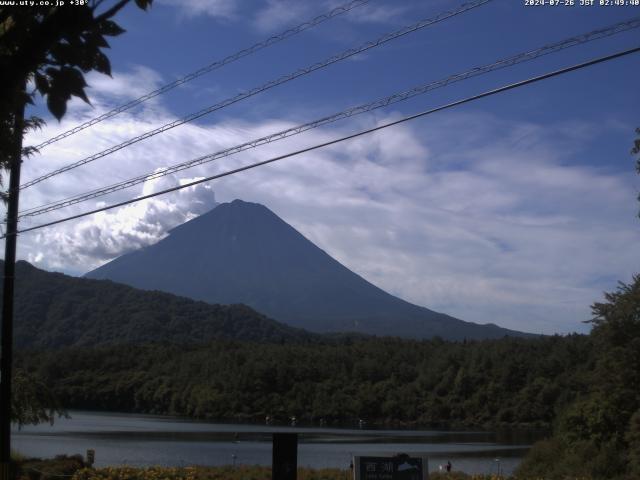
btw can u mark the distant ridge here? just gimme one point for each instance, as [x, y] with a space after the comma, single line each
[242, 252]
[53, 311]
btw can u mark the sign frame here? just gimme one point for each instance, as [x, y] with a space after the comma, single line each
[388, 473]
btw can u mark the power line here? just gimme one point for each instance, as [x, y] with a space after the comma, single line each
[283, 79]
[209, 68]
[342, 139]
[383, 102]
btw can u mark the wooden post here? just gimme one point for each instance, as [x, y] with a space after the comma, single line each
[284, 464]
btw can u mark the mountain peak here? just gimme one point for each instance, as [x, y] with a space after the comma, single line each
[236, 215]
[239, 203]
[242, 252]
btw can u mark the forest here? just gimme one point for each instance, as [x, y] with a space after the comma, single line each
[379, 380]
[584, 388]
[53, 310]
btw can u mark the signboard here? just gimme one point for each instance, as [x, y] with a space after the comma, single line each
[391, 467]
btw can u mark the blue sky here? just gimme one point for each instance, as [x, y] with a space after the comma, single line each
[519, 209]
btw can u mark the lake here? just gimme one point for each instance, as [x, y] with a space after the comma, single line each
[145, 440]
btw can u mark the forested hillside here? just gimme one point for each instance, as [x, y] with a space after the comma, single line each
[53, 310]
[598, 435]
[242, 252]
[510, 381]
[586, 387]
[149, 352]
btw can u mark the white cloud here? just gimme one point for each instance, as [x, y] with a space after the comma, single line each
[222, 9]
[106, 235]
[123, 86]
[493, 225]
[372, 13]
[107, 92]
[278, 14]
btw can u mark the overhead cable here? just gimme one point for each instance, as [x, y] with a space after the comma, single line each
[283, 79]
[341, 139]
[209, 68]
[383, 102]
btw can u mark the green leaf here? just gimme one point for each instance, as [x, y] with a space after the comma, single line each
[95, 40]
[57, 105]
[42, 83]
[64, 54]
[71, 80]
[101, 63]
[33, 123]
[85, 55]
[143, 4]
[111, 28]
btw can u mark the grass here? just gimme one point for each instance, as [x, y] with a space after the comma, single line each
[58, 468]
[203, 473]
[248, 473]
[73, 468]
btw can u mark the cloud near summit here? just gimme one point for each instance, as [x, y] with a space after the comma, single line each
[506, 225]
[107, 235]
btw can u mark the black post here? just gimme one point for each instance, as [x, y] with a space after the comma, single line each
[6, 355]
[284, 464]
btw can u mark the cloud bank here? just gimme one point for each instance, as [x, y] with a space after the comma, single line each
[219, 9]
[504, 225]
[107, 235]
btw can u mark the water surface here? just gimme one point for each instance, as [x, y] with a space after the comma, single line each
[145, 440]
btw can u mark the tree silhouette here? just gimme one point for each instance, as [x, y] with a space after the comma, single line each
[53, 47]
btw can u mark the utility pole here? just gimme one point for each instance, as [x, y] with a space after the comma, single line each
[6, 355]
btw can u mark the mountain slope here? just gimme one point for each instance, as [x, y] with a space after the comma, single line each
[241, 252]
[53, 310]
